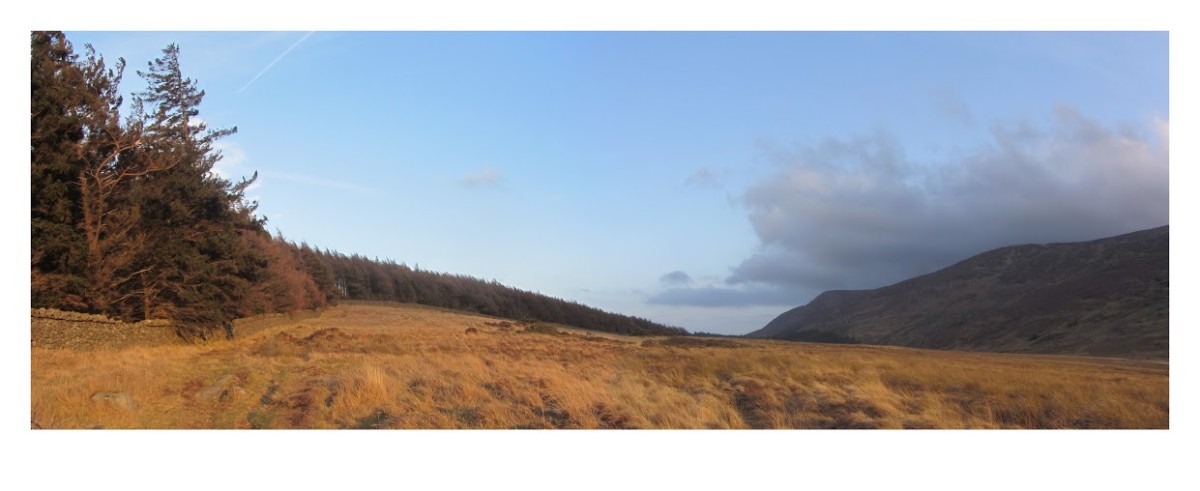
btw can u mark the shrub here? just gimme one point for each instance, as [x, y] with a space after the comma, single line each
[542, 328]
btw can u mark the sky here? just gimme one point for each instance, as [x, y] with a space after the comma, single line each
[708, 180]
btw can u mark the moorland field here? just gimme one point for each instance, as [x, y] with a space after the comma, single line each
[407, 366]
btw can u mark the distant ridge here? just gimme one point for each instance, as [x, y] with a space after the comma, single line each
[1106, 297]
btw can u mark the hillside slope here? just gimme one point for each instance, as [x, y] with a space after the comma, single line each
[355, 277]
[1105, 297]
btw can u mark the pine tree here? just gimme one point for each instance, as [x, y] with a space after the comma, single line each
[58, 104]
[83, 235]
[320, 271]
[202, 264]
[113, 164]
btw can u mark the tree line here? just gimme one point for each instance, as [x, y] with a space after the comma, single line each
[129, 220]
[356, 277]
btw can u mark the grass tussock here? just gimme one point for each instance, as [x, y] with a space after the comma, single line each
[379, 367]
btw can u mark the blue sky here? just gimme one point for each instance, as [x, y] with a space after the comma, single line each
[710, 180]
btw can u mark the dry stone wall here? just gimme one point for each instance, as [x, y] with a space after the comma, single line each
[57, 329]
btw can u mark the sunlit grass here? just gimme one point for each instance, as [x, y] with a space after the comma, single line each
[411, 367]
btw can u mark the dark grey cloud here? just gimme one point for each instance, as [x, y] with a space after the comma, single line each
[856, 213]
[675, 278]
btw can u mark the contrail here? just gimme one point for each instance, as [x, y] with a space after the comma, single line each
[277, 58]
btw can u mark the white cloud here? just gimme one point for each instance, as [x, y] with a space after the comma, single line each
[952, 107]
[273, 62]
[318, 181]
[704, 178]
[488, 176]
[675, 278]
[233, 160]
[724, 296]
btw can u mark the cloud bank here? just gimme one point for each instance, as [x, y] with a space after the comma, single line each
[855, 213]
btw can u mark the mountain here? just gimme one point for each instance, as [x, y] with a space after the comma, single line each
[1106, 297]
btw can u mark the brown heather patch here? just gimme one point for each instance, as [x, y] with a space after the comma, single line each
[380, 367]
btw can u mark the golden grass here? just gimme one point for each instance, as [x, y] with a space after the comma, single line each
[373, 366]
